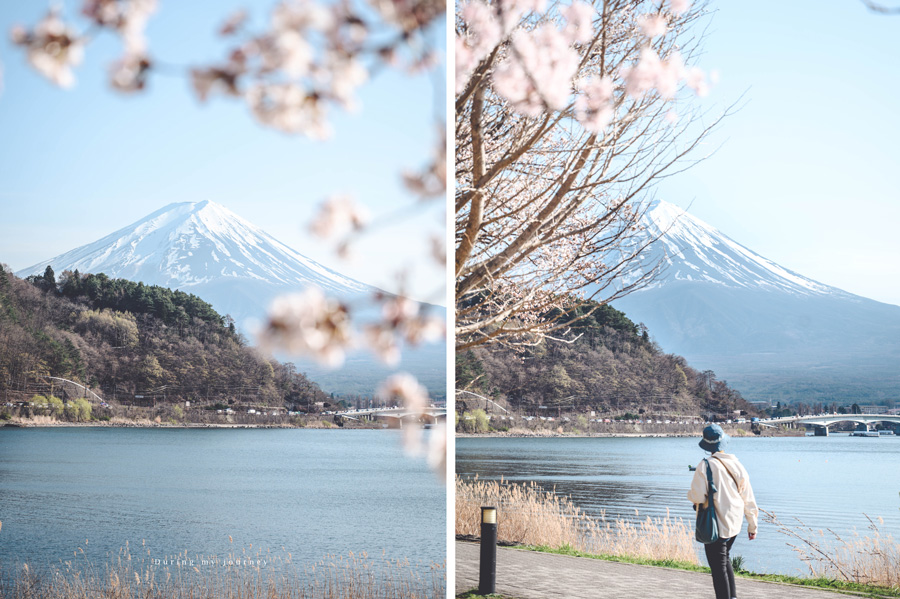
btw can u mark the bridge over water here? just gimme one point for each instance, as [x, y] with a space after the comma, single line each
[821, 422]
[395, 417]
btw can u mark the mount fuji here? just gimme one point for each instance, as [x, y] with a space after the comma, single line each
[772, 333]
[205, 249]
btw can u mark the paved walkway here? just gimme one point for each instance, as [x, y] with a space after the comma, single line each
[525, 574]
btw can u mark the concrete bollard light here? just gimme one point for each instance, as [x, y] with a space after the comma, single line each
[487, 575]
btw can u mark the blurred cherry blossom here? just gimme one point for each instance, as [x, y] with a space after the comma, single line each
[414, 397]
[337, 216]
[308, 324]
[593, 105]
[579, 21]
[653, 25]
[679, 7]
[126, 17]
[52, 48]
[538, 73]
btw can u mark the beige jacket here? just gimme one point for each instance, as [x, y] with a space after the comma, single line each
[733, 500]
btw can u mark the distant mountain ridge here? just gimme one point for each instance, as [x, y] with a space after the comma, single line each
[771, 332]
[205, 249]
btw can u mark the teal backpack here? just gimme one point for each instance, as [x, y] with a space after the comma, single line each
[707, 524]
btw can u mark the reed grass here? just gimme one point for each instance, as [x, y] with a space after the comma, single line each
[530, 515]
[869, 559]
[236, 576]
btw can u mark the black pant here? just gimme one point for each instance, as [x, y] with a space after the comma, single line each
[720, 564]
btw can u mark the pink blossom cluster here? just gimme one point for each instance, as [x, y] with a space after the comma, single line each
[338, 215]
[308, 58]
[541, 60]
[664, 76]
[402, 320]
[537, 74]
[52, 48]
[128, 18]
[593, 103]
[309, 324]
[410, 15]
[312, 55]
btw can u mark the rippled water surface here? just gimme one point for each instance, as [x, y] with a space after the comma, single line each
[168, 491]
[831, 482]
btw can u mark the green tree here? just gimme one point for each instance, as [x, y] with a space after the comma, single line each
[56, 405]
[475, 421]
[150, 371]
[79, 410]
[49, 279]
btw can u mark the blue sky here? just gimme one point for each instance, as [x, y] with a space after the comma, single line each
[807, 170]
[78, 164]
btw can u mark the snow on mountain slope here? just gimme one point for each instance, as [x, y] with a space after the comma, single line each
[190, 244]
[692, 250]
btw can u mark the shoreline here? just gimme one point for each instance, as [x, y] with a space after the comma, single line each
[185, 425]
[745, 434]
[548, 435]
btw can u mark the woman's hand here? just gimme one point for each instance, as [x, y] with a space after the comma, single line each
[752, 535]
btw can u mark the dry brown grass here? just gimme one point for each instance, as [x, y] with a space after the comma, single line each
[531, 516]
[258, 576]
[872, 559]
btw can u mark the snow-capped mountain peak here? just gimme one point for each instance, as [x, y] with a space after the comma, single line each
[193, 243]
[692, 250]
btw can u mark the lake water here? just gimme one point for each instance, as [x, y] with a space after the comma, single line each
[170, 491]
[831, 482]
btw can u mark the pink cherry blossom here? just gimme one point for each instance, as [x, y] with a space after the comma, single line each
[382, 341]
[338, 215]
[695, 79]
[128, 18]
[679, 7]
[52, 48]
[129, 74]
[653, 25]
[414, 397]
[482, 34]
[579, 17]
[538, 72]
[308, 324]
[290, 108]
[593, 104]
[642, 77]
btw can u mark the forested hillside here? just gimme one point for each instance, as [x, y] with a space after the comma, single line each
[124, 339]
[606, 363]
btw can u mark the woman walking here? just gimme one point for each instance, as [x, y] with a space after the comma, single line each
[733, 500]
